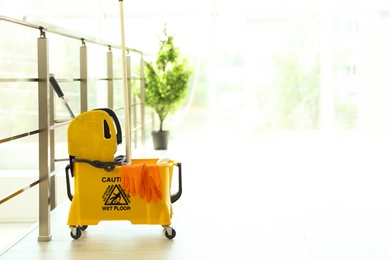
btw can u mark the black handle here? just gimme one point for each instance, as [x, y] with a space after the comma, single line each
[56, 87]
[177, 195]
[70, 195]
[112, 114]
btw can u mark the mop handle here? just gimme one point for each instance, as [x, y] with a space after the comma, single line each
[126, 91]
[60, 94]
[56, 87]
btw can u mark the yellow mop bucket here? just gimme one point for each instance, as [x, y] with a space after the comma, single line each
[98, 194]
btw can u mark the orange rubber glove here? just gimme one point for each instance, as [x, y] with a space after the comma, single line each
[152, 186]
[124, 179]
[131, 178]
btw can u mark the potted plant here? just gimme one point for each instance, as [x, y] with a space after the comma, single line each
[166, 85]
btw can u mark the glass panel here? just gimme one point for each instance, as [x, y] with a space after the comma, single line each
[18, 108]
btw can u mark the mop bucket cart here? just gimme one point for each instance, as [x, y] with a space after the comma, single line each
[97, 194]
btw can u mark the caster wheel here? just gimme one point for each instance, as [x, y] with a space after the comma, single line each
[82, 228]
[75, 233]
[170, 235]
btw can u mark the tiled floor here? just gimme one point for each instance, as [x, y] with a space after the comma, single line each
[10, 232]
[270, 197]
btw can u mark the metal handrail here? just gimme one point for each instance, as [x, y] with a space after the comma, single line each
[43, 26]
[19, 136]
[53, 124]
[46, 27]
[16, 193]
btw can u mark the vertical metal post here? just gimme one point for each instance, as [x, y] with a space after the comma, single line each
[83, 78]
[110, 79]
[53, 196]
[153, 120]
[44, 139]
[142, 86]
[129, 101]
[135, 127]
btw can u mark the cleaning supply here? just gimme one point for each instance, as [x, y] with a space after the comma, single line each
[151, 186]
[162, 161]
[142, 179]
[132, 177]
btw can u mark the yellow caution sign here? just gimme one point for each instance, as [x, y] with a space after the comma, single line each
[98, 196]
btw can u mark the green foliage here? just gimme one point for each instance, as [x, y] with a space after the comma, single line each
[166, 79]
[296, 93]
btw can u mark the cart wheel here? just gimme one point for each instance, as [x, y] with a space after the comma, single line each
[82, 228]
[171, 234]
[75, 233]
